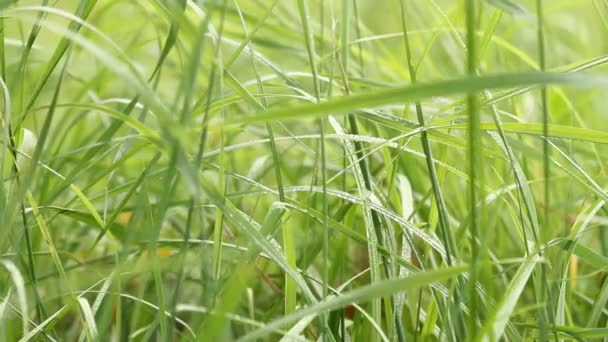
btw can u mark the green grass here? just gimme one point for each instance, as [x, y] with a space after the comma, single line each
[351, 170]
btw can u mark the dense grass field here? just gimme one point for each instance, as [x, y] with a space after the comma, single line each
[303, 170]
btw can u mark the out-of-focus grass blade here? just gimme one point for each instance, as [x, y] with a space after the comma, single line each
[233, 83]
[4, 304]
[587, 254]
[511, 7]
[423, 91]
[86, 218]
[111, 224]
[232, 292]
[6, 3]
[599, 305]
[89, 318]
[21, 292]
[119, 116]
[273, 219]
[295, 333]
[88, 205]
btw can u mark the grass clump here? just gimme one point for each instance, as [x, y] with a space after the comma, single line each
[274, 170]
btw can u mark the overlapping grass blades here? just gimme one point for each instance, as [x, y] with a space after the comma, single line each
[303, 170]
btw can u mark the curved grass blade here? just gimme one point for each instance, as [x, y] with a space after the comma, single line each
[363, 294]
[89, 318]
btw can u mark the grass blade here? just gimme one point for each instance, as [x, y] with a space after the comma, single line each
[423, 91]
[363, 294]
[494, 327]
